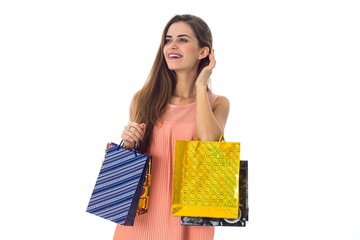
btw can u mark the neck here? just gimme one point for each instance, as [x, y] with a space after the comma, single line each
[185, 85]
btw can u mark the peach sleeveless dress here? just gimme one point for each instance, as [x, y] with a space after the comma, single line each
[179, 122]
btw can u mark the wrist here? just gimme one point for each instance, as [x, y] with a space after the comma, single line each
[200, 86]
[201, 90]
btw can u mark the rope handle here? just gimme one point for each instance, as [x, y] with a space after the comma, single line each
[221, 138]
[136, 149]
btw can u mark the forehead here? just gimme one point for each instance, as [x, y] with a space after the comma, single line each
[179, 28]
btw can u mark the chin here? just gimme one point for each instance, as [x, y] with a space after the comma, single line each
[176, 67]
[172, 67]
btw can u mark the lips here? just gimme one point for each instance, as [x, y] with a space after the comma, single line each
[173, 55]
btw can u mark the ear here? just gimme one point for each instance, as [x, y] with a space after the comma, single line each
[204, 52]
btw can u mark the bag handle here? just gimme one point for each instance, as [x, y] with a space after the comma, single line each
[221, 138]
[121, 145]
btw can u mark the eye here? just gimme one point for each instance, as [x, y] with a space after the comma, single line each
[183, 40]
[167, 41]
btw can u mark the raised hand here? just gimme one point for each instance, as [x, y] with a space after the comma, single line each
[205, 73]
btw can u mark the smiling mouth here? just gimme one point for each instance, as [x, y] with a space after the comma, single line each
[174, 56]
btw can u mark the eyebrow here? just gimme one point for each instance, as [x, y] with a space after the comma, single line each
[181, 35]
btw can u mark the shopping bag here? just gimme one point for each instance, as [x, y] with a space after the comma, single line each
[243, 206]
[206, 179]
[143, 205]
[120, 185]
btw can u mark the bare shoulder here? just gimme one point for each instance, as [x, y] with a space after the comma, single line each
[221, 109]
[221, 103]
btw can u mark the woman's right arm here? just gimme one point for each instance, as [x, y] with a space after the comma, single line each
[133, 132]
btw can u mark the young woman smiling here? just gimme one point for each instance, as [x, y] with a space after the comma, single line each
[175, 103]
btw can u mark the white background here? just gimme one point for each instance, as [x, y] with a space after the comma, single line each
[290, 69]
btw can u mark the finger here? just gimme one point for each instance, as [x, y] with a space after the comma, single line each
[127, 140]
[136, 126]
[131, 136]
[133, 132]
[212, 64]
[137, 129]
[142, 129]
[128, 143]
[213, 58]
[131, 129]
[213, 55]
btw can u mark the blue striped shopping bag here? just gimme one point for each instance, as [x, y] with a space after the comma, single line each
[119, 185]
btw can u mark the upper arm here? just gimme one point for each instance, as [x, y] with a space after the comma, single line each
[221, 110]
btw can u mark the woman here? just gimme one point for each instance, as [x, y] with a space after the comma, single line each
[175, 103]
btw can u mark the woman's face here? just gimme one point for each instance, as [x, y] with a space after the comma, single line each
[181, 50]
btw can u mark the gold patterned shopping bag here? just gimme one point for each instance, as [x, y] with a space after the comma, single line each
[206, 179]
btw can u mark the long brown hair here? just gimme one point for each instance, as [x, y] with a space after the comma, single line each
[152, 99]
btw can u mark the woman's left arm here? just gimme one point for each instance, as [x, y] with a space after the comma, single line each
[210, 123]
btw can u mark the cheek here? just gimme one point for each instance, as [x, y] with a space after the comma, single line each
[191, 48]
[193, 51]
[164, 50]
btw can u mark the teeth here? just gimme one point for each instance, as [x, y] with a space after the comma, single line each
[174, 56]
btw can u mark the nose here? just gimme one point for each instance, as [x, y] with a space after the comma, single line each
[172, 45]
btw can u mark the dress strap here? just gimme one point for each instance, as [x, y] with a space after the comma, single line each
[213, 99]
